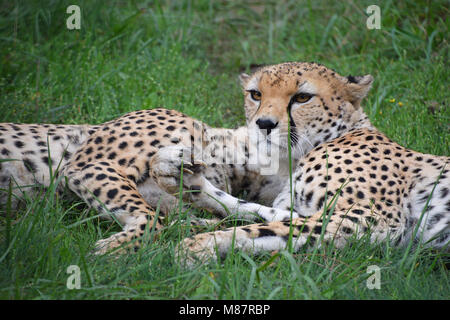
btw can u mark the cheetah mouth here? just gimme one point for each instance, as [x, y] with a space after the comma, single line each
[281, 138]
[300, 144]
[277, 141]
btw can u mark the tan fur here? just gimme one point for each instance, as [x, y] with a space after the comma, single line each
[112, 166]
[375, 186]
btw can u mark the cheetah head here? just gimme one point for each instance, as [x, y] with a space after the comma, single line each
[315, 102]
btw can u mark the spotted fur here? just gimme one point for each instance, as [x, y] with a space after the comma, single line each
[349, 179]
[113, 167]
[31, 153]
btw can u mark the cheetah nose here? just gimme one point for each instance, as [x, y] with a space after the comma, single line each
[266, 124]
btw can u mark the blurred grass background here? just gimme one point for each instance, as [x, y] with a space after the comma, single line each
[131, 55]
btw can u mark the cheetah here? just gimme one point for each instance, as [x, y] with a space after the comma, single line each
[110, 166]
[348, 179]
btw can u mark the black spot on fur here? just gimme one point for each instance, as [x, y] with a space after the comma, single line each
[112, 155]
[98, 140]
[112, 193]
[138, 144]
[97, 192]
[100, 177]
[352, 79]
[19, 144]
[317, 229]
[266, 233]
[30, 165]
[111, 139]
[308, 198]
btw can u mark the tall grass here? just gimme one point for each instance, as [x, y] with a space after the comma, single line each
[186, 55]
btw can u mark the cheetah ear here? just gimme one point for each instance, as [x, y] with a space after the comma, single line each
[243, 78]
[357, 88]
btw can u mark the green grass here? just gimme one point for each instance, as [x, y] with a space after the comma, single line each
[186, 55]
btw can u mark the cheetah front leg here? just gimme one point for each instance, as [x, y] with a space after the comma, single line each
[166, 171]
[306, 232]
[205, 195]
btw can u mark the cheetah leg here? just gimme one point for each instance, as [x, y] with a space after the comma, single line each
[112, 193]
[205, 195]
[306, 232]
[166, 170]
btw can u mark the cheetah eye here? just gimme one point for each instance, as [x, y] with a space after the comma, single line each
[255, 94]
[302, 97]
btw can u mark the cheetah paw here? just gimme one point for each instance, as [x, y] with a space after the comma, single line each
[166, 168]
[113, 244]
[195, 251]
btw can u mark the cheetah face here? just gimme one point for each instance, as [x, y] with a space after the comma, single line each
[313, 101]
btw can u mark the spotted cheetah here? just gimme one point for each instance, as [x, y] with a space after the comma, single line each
[110, 166]
[349, 179]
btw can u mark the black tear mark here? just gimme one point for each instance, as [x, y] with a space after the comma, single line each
[352, 79]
